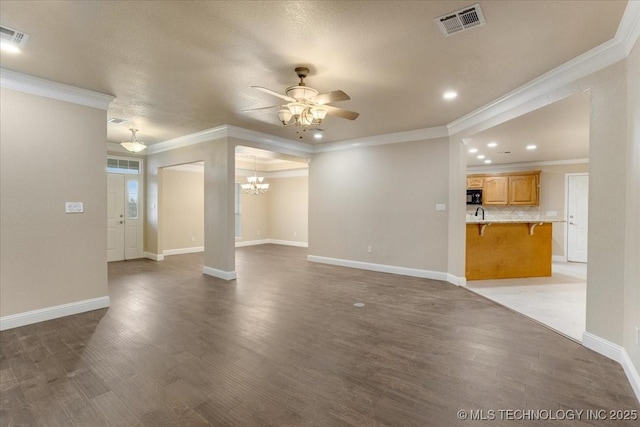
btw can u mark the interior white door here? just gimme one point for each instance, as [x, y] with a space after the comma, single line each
[115, 217]
[577, 217]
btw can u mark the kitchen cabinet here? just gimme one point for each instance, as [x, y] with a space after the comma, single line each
[509, 188]
[475, 182]
[523, 190]
[496, 190]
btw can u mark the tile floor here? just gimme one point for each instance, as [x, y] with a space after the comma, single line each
[558, 302]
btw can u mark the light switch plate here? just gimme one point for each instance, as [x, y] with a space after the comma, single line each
[441, 207]
[73, 207]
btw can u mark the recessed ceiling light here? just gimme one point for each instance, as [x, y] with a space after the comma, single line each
[317, 134]
[492, 144]
[473, 150]
[450, 95]
[480, 157]
[487, 161]
[116, 120]
[531, 147]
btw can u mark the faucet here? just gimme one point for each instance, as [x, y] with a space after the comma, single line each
[479, 207]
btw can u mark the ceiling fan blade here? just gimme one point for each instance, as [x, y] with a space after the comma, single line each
[329, 97]
[261, 108]
[339, 112]
[274, 93]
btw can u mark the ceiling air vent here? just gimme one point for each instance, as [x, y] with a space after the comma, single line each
[461, 20]
[13, 37]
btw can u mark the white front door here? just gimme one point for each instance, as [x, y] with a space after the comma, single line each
[577, 217]
[115, 217]
[124, 217]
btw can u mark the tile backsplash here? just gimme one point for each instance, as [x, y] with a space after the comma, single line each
[505, 212]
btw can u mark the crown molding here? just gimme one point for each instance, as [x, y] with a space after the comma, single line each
[49, 89]
[212, 134]
[270, 141]
[589, 62]
[495, 168]
[263, 140]
[290, 173]
[629, 28]
[389, 138]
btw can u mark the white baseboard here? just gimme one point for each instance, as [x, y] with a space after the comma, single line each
[271, 241]
[617, 353]
[252, 243]
[404, 271]
[558, 258]
[220, 274]
[49, 313]
[155, 257]
[455, 280]
[289, 243]
[183, 251]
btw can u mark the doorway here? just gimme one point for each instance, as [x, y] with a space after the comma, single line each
[124, 209]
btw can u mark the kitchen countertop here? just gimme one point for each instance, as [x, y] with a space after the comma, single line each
[511, 221]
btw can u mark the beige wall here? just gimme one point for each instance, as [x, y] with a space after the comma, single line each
[280, 214]
[182, 208]
[289, 209]
[52, 152]
[255, 214]
[382, 196]
[632, 244]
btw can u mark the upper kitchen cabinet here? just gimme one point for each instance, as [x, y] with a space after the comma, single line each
[523, 190]
[509, 188]
[495, 190]
[474, 182]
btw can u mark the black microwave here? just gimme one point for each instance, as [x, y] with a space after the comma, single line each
[474, 197]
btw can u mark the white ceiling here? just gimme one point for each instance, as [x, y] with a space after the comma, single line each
[181, 67]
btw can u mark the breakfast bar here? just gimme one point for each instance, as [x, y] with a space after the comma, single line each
[500, 249]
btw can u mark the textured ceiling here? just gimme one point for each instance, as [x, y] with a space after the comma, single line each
[182, 67]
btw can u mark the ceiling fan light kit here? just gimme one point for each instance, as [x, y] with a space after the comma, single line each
[305, 107]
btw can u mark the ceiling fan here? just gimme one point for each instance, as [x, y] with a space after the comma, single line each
[305, 107]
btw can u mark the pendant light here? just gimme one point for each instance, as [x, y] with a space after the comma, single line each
[133, 146]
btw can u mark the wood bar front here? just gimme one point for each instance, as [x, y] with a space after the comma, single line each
[508, 250]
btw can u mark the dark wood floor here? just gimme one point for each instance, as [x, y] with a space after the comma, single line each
[284, 345]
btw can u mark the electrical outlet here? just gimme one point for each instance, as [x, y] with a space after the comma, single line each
[520, 214]
[370, 249]
[193, 239]
[258, 232]
[441, 207]
[295, 234]
[551, 213]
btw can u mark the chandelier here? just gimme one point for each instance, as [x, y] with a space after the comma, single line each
[133, 146]
[255, 184]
